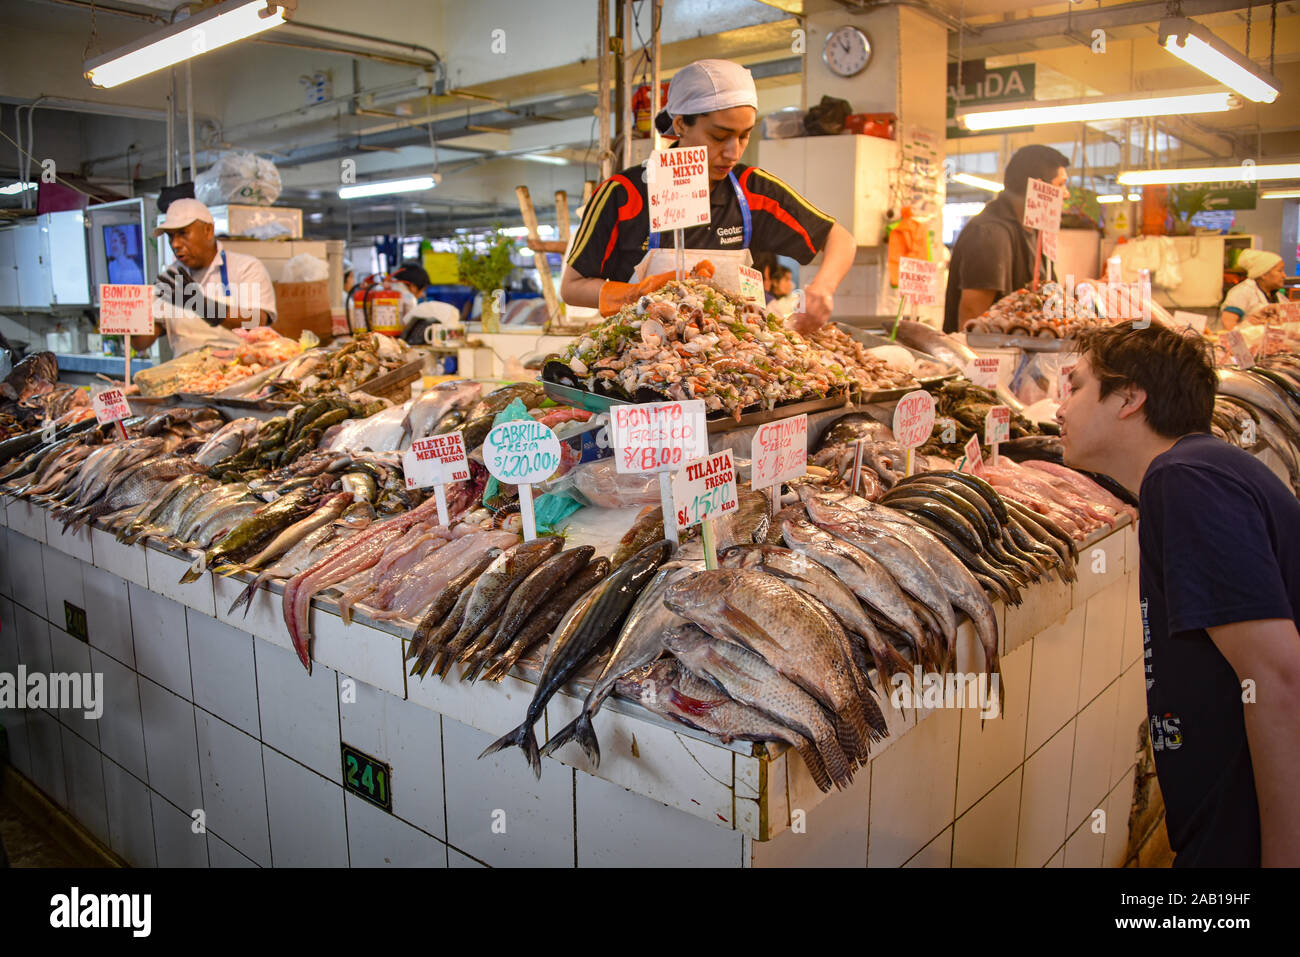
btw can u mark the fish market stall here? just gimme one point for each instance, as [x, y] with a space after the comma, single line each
[334, 666]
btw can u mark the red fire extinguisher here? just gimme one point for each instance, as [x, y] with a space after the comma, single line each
[641, 107]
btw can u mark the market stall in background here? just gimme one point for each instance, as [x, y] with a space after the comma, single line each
[737, 594]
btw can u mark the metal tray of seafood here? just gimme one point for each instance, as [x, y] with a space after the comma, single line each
[403, 373]
[994, 340]
[170, 399]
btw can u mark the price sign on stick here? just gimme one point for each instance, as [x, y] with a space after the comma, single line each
[913, 421]
[1043, 203]
[779, 453]
[111, 406]
[997, 428]
[702, 491]
[659, 437]
[973, 462]
[1049, 244]
[437, 460]
[1240, 351]
[125, 310]
[521, 453]
[751, 285]
[918, 279]
[983, 371]
[678, 185]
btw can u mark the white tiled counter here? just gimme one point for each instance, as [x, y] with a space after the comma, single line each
[217, 748]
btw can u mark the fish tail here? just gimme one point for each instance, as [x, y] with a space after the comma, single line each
[521, 737]
[245, 597]
[191, 574]
[816, 766]
[834, 760]
[579, 729]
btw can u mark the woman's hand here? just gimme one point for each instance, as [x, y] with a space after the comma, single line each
[815, 312]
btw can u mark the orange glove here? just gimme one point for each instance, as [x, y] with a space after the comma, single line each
[615, 295]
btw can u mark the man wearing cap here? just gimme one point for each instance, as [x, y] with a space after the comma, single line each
[209, 290]
[1265, 277]
[711, 103]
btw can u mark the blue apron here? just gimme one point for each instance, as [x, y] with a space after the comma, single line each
[225, 278]
[744, 215]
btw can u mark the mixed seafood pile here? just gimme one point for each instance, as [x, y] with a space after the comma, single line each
[210, 370]
[338, 369]
[31, 397]
[960, 411]
[1048, 313]
[694, 340]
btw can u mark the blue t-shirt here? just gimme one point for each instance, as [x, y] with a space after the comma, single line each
[1220, 543]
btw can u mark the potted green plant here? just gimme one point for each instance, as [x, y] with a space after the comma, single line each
[487, 272]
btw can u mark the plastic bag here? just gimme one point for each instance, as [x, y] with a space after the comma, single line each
[598, 484]
[238, 177]
[305, 268]
[827, 117]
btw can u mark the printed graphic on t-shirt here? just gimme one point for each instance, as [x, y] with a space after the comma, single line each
[1166, 731]
[1146, 642]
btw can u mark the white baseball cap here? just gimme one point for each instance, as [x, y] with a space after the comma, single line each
[181, 213]
[705, 86]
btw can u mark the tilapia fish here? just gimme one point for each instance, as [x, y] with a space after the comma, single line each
[668, 688]
[586, 627]
[748, 678]
[433, 404]
[640, 642]
[768, 617]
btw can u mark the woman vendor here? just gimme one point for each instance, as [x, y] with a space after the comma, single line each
[711, 103]
[1265, 277]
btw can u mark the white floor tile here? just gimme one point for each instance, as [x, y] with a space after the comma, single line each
[1094, 743]
[991, 748]
[130, 816]
[27, 572]
[366, 653]
[904, 818]
[1045, 799]
[165, 571]
[1130, 715]
[170, 748]
[234, 791]
[84, 769]
[223, 671]
[300, 712]
[404, 736]
[121, 729]
[938, 853]
[264, 618]
[985, 836]
[1119, 803]
[308, 828]
[108, 613]
[33, 640]
[70, 660]
[834, 832]
[377, 839]
[45, 736]
[456, 859]
[617, 828]
[62, 583]
[1103, 640]
[73, 543]
[1054, 683]
[175, 837]
[1083, 848]
[162, 651]
[221, 854]
[499, 792]
[125, 561]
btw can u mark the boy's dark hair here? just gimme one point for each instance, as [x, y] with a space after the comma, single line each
[764, 261]
[1175, 371]
[1032, 162]
[780, 272]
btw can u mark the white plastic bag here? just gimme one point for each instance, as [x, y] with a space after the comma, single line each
[305, 268]
[238, 177]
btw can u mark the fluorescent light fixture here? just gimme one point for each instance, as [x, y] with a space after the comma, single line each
[1265, 194]
[13, 189]
[979, 182]
[218, 26]
[1111, 198]
[388, 186]
[539, 158]
[1196, 46]
[1134, 197]
[1092, 109]
[1210, 174]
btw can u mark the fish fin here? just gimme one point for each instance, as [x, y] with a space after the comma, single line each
[192, 574]
[813, 761]
[523, 738]
[580, 730]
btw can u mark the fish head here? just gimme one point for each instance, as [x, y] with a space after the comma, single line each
[741, 556]
[703, 590]
[645, 683]
[685, 639]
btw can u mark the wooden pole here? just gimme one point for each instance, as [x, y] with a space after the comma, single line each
[625, 94]
[602, 90]
[553, 309]
[562, 215]
[656, 16]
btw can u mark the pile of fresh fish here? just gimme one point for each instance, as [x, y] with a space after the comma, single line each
[31, 396]
[281, 440]
[694, 340]
[1268, 394]
[333, 371]
[882, 462]
[960, 411]
[1075, 503]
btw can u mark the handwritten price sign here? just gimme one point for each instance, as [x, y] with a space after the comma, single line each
[917, 279]
[914, 419]
[125, 310]
[110, 406]
[779, 452]
[437, 460]
[1241, 353]
[1043, 203]
[974, 460]
[751, 285]
[983, 371]
[997, 425]
[705, 488]
[521, 452]
[658, 436]
[1049, 243]
[678, 184]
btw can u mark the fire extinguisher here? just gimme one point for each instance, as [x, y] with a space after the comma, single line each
[387, 304]
[641, 107]
[358, 318]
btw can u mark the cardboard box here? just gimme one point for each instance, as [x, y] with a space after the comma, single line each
[303, 305]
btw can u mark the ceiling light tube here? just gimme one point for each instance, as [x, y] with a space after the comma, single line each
[1210, 174]
[1196, 46]
[388, 186]
[1111, 198]
[218, 26]
[1093, 109]
[13, 189]
[1280, 194]
[979, 182]
[1134, 197]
